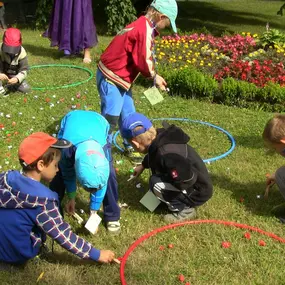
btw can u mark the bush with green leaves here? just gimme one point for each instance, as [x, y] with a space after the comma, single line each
[119, 14]
[43, 13]
[192, 83]
[272, 37]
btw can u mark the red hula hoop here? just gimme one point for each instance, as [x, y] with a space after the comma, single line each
[171, 226]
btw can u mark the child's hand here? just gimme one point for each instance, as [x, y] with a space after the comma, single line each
[70, 207]
[138, 170]
[13, 80]
[106, 256]
[160, 82]
[270, 179]
[3, 77]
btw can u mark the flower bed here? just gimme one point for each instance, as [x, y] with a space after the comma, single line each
[235, 70]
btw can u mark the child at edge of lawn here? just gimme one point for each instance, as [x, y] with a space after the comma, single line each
[29, 210]
[179, 177]
[13, 63]
[130, 53]
[274, 137]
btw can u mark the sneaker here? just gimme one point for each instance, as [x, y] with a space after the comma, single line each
[133, 155]
[113, 227]
[185, 214]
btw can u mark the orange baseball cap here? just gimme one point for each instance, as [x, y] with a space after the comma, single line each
[36, 144]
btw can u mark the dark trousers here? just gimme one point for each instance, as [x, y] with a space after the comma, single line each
[175, 199]
[110, 202]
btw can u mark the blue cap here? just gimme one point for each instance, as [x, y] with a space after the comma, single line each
[132, 121]
[91, 165]
[168, 8]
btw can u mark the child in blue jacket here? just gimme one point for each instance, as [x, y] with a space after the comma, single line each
[29, 210]
[89, 161]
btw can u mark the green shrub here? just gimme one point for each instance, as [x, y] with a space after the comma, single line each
[119, 14]
[43, 13]
[191, 83]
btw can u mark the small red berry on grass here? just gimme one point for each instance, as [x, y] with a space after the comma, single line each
[181, 278]
[247, 235]
[170, 245]
[187, 283]
[161, 247]
[262, 243]
[226, 244]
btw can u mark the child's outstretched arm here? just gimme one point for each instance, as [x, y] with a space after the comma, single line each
[51, 222]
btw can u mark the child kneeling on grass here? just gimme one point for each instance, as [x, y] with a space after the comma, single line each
[274, 137]
[29, 210]
[179, 177]
[13, 63]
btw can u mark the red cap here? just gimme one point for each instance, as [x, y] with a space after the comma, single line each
[36, 144]
[12, 41]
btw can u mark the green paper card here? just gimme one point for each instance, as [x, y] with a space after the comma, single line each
[150, 201]
[153, 95]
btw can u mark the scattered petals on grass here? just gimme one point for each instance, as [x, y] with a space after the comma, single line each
[226, 244]
[247, 235]
[181, 278]
[161, 247]
[262, 243]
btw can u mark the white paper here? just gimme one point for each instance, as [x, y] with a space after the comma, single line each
[93, 223]
[150, 201]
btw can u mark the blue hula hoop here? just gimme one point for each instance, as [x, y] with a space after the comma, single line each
[208, 160]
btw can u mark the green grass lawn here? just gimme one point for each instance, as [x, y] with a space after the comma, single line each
[197, 251]
[232, 16]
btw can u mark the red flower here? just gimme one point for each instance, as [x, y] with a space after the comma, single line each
[170, 245]
[247, 235]
[47, 100]
[1, 126]
[262, 243]
[226, 244]
[161, 247]
[25, 100]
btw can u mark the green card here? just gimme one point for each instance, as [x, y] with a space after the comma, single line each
[153, 95]
[150, 201]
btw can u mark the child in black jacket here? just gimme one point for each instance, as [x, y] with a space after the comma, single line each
[179, 176]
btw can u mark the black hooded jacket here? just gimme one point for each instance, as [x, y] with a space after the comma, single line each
[170, 156]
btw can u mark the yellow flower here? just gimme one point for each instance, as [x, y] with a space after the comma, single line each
[255, 35]
[217, 57]
[243, 33]
[201, 63]
[158, 49]
[210, 64]
[180, 57]
[161, 53]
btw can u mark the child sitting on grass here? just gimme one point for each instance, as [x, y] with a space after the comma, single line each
[13, 63]
[29, 210]
[179, 177]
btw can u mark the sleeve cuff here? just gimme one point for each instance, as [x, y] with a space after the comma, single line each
[71, 195]
[94, 254]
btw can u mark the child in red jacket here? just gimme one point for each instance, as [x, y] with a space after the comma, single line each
[130, 53]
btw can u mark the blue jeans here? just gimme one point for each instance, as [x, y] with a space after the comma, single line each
[116, 103]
